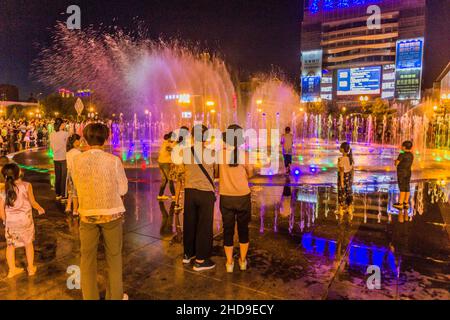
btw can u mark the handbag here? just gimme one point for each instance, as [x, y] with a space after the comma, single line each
[200, 165]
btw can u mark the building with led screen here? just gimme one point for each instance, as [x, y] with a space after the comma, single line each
[359, 54]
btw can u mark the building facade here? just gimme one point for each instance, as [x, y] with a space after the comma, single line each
[365, 49]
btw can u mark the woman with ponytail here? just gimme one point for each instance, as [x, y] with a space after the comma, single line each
[235, 195]
[73, 144]
[345, 179]
[16, 205]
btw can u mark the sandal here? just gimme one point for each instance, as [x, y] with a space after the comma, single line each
[15, 272]
[32, 271]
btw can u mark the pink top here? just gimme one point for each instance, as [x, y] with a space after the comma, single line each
[18, 214]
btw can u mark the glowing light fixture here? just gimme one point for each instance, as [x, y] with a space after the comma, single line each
[184, 99]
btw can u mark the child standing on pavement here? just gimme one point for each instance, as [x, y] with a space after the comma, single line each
[404, 163]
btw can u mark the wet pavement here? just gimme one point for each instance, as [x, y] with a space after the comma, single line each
[300, 248]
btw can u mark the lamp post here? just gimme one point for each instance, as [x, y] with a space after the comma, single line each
[364, 100]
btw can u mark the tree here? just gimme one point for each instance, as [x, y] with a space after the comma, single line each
[55, 103]
[379, 108]
[316, 107]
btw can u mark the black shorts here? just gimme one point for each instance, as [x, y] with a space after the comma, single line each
[404, 181]
[287, 160]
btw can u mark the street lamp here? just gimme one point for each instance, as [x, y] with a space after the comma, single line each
[259, 102]
[363, 98]
[210, 103]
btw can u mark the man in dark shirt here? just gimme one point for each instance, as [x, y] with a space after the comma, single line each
[404, 163]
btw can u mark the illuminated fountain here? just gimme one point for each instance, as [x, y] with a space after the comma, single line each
[273, 105]
[155, 86]
[130, 74]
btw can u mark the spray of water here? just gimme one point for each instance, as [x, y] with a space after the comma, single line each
[130, 73]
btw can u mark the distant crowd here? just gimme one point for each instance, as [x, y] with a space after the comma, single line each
[22, 134]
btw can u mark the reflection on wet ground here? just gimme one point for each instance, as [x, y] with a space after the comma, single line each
[301, 249]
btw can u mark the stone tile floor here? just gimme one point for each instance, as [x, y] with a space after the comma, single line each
[308, 253]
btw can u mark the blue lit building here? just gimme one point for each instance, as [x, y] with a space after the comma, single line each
[358, 60]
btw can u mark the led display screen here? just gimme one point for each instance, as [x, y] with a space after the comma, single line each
[359, 81]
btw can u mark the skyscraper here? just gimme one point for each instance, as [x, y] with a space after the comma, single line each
[370, 48]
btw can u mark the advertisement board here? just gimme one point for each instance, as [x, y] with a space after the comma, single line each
[310, 88]
[407, 84]
[312, 63]
[359, 81]
[408, 74]
[311, 74]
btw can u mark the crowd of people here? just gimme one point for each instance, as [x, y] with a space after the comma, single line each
[21, 134]
[93, 183]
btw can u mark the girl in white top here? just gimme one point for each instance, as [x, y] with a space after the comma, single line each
[235, 195]
[345, 179]
[73, 145]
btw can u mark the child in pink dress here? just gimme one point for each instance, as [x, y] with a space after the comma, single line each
[16, 205]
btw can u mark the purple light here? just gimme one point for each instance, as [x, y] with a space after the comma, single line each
[328, 5]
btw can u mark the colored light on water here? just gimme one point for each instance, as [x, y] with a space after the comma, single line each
[307, 243]
[320, 245]
[359, 255]
[377, 257]
[331, 248]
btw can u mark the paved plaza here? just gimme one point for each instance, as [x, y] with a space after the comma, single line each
[300, 249]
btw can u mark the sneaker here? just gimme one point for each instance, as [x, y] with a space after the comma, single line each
[162, 198]
[406, 205]
[398, 206]
[229, 267]
[205, 265]
[125, 297]
[243, 265]
[187, 259]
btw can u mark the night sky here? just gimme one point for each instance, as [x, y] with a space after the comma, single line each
[252, 36]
